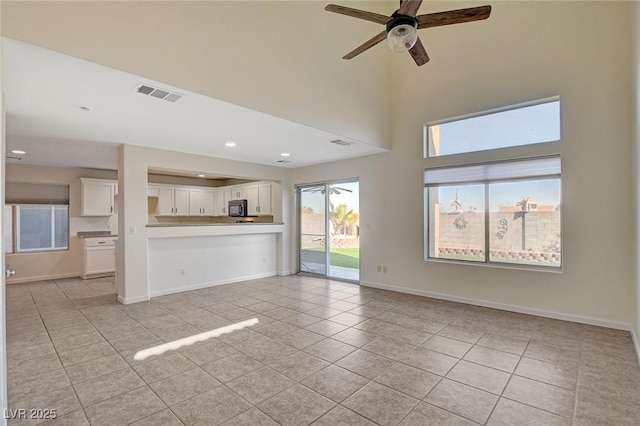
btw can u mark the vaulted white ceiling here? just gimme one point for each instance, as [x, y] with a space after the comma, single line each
[44, 91]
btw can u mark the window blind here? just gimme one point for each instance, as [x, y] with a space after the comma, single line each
[478, 173]
[36, 193]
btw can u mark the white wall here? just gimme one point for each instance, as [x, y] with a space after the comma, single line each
[67, 263]
[181, 264]
[278, 57]
[133, 164]
[525, 51]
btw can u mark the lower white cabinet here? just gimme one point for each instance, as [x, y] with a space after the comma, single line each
[99, 257]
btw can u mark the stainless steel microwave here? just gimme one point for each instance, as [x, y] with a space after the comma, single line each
[238, 208]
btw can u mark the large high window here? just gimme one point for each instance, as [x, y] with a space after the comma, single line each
[36, 228]
[527, 124]
[506, 211]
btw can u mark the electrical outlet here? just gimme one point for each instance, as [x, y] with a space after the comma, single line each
[379, 268]
[183, 271]
[384, 269]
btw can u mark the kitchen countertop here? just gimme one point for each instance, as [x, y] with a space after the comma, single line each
[166, 225]
[95, 234]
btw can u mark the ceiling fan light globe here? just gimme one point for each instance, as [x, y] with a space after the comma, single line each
[402, 37]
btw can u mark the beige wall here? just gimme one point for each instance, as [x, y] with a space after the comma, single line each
[287, 61]
[57, 264]
[525, 51]
[636, 146]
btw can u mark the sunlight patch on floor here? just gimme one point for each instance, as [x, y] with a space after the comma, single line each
[187, 341]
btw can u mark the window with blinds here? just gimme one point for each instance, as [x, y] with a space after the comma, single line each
[36, 217]
[498, 212]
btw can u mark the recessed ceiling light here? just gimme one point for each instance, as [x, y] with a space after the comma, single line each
[285, 154]
[85, 108]
[201, 175]
[230, 144]
[18, 151]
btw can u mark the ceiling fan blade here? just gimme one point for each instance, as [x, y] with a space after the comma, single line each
[453, 17]
[409, 7]
[357, 13]
[419, 53]
[366, 45]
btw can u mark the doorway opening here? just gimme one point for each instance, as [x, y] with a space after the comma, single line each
[329, 229]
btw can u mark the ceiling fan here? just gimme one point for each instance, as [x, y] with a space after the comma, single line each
[333, 190]
[402, 26]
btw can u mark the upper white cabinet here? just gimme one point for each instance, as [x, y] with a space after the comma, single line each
[220, 203]
[238, 193]
[97, 197]
[201, 202]
[173, 201]
[259, 199]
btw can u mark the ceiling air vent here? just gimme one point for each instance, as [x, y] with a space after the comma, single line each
[166, 95]
[283, 161]
[341, 142]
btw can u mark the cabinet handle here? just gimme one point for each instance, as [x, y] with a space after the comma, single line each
[111, 209]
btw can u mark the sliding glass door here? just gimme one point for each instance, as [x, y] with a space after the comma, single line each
[329, 229]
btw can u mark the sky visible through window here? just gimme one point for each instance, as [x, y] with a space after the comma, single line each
[515, 127]
[351, 199]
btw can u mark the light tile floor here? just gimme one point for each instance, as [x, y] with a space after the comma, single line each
[323, 353]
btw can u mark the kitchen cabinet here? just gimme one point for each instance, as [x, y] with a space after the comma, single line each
[259, 199]
[238, 193]
[201, 202]
[97, 197]
[99, 257]
[173, 201]
[220, 203]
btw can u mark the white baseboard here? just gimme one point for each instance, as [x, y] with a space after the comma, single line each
[505, 307]
[42, 278]
[174, 290]
[284, 273]
[131, 300]
[636, 344]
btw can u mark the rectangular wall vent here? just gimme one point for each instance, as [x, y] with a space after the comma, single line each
[341, 142]
[166, 95]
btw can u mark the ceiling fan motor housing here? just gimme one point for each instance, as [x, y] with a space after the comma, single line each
[398, 19]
